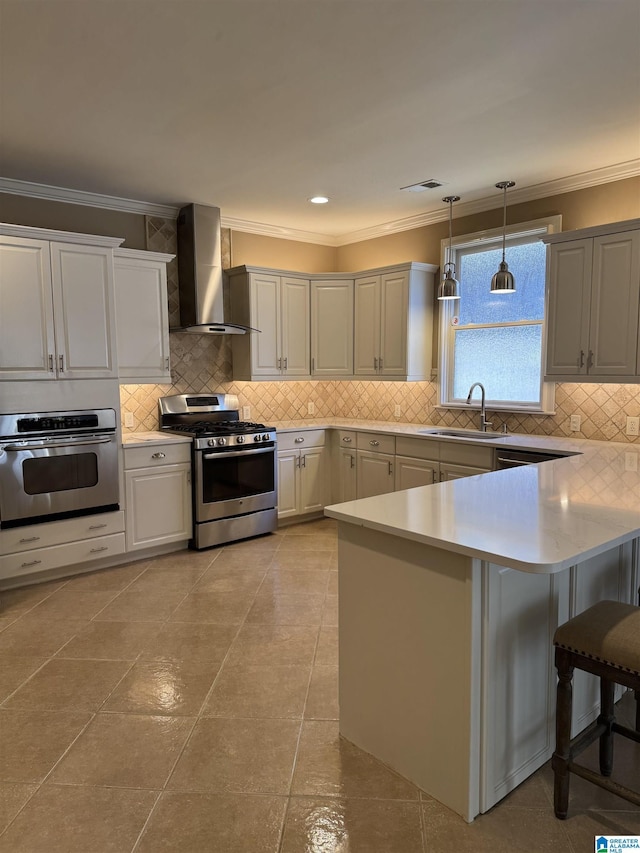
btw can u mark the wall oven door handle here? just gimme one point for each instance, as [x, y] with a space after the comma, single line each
[228, 453]
[52, 445]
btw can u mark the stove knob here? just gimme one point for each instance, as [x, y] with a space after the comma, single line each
[211, 442]
[266, 436]
[256, 437]
[222, 442]
[240, 439]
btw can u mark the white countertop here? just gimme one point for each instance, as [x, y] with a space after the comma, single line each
[138, 439]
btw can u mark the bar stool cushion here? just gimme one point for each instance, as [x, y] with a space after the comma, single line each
[608, 632]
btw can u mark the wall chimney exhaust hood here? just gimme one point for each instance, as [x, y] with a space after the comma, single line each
[200, 274]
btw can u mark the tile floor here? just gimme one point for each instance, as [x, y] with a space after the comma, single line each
[189, 703]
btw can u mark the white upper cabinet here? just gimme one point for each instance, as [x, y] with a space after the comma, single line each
[277, 305]
[332, 327]
[394, 322]
[57, 312]
[142, 316]
[593, 298]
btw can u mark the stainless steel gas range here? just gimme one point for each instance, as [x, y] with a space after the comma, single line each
[234, 467]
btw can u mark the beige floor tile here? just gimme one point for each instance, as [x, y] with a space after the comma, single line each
[353, 826]
[322, 702]
[292, 581]
[582, 826]
[13, 796]
[117, 578]
[38, 637]
[323, 526]
[312, 542]
[61, 819]
[328, 765]
[68, 604]
[124, 751]
[274, 644]
[330, 611]
[14, 671]
[141, 607]
[194, 641]
[163, 687]
[111, 640]
[19, 601]
[286, 609]
[239, 559]
[259, 691]
[512, 830]
[226, 578]
[224, 608]
[327, 651]
[33, 741]
[533, 793]
[220, 823]
[238, 756]
[302, 560]
[186, 559]
[167, 579]
[332, 588]
[74, 685]
[270, 542]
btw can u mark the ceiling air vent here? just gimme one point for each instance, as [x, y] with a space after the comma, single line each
[429, 184]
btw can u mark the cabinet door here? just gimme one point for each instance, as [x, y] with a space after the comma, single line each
[332, 328]
[615, 293]
[394, 307]
[415, 472]
[366, 335]
[346, 487]
[312, 480]
[296, 326]
[265, 315]
[449, 471]
[374, 473]
[568, 307]
[83, 311]
[27, 346]
[158, 506]
[142, 321]
[288, 482]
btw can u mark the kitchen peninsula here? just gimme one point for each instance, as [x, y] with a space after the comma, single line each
[449, 598]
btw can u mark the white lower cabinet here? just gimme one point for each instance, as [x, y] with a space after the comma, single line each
[158, 494]
[302, 463]
[415, 472]
[375, 464]
[451, 471]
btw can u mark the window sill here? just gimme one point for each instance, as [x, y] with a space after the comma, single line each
[515, 410]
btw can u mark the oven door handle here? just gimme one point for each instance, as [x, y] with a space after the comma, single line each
[228, 453]
[52, 445]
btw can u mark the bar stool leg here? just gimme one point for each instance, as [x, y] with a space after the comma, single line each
[607, 718]
[560, 760]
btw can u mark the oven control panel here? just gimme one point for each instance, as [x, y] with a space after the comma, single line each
[236, 442]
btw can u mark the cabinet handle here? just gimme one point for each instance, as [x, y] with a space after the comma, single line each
[32, 563]
[29, 539]
[379, 364]
[159, 455]
[590, 360]
[303, 461]
[313, 365]
[390, 469]
[581, 359]
[50, 362]
[375, 363]
[347, 438]
[96, 526]
[279, 364]
[286, 361]
[167, 360]
[374, 443]
[299, 440]
[61, 363]
[353, 462]
[97, 550]
[297, 461]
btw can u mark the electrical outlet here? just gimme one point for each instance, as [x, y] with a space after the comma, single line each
[246, 412]
[311, 408]
[630, 461]
[633, 426]
[128, 420]
[397, 411]
[574, 423]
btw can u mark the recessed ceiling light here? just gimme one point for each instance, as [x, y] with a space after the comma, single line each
[319, 199]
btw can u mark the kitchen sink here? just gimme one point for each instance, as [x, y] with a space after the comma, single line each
[461, 433]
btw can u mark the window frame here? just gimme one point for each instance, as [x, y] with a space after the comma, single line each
[520, 232]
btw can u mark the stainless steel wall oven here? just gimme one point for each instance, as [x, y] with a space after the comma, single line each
[56, 465]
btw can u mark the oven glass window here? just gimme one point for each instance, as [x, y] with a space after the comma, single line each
[60, 473]
[237, 477]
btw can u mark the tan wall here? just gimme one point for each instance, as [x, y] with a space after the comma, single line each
[257, 250]
[60, 216]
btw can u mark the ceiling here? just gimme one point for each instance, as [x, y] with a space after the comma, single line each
[256, 105]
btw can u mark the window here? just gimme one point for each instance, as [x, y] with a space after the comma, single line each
[497, 338]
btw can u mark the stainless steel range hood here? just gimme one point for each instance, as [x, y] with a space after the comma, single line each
[200, 273]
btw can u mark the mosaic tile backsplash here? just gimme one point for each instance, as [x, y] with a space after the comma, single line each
[203, 364]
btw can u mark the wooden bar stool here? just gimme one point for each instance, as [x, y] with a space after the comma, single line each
[604, 640]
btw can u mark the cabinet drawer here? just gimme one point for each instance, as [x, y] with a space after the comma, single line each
[43, 559]
[58, 532]
[467, 454]
[156, 454]
[418, 448]
[376, 442]
[301, 439]
[346, 438]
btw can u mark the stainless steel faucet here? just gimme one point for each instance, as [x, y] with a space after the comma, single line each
[484, 423]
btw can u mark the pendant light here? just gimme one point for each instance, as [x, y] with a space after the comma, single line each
[449, 286]
[503, 281]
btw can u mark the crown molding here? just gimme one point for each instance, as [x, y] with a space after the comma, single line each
[583, 180]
